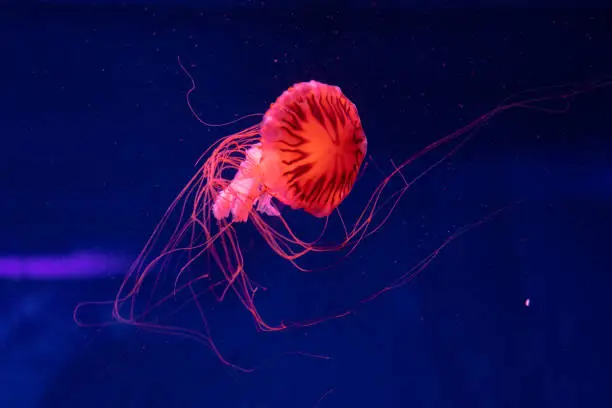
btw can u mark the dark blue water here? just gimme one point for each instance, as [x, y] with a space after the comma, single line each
[97, 140]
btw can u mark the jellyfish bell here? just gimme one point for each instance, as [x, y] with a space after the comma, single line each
[311, 148]
[313, 145]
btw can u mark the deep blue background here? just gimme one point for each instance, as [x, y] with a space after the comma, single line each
[97, 140]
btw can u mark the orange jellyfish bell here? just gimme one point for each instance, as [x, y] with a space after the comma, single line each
[311, 147]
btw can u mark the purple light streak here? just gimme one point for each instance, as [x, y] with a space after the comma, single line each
[76, 265]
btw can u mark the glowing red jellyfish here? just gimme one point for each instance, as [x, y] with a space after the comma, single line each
[306, 153]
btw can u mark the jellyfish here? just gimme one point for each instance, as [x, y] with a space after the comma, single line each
[305, 154]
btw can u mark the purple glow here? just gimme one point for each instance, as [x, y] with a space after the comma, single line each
[76, 265]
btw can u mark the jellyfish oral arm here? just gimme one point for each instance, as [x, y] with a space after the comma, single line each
[244, 191]
[265, 205]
